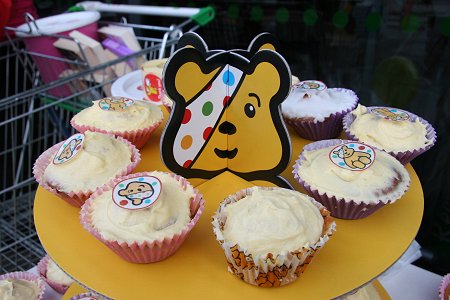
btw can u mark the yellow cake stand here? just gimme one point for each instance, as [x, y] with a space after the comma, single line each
[358, 252]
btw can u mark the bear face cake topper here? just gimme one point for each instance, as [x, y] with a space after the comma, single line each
[71, 147]
[226, 113]
[115, 103]
[137, 193]
[353, 156]
[389, 113]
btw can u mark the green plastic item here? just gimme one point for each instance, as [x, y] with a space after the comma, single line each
[204, 16]
[76, 8]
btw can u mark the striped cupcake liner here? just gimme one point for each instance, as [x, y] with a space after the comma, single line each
[28, 277]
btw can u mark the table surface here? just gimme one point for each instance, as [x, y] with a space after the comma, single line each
[358, 252]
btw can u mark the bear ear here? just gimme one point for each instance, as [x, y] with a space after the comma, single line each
[193, 40]
[122, 192]
[263, 41]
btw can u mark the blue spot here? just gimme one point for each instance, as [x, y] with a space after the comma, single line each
[228, 78]
[141, 179]
[368, 151]
[342, 164]
[121, 185]
[147, 201]
[352, 145]
[154, 183]
[393, 110]
[334, 156]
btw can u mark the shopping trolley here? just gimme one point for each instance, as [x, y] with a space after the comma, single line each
[35, 113]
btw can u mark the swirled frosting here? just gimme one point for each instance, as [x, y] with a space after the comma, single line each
[140, 115]
[272, 221]
[386, 179]
[18, 289]
[166, 217]
[396, 136]
[54, 273]
[101, 159]
[317, 105]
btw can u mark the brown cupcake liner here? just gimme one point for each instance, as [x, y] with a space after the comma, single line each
[77, 198]
[28, 277]
[402, 156]
[42, 269]
[342, 208]
[146, 252]
[330, 127]
[138, 137]
[269, 270]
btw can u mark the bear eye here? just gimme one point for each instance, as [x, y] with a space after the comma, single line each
[139, 190]
[249, 110]
[131, 191]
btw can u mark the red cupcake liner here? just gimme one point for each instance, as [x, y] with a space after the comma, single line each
[269, 270]
[342, 208]
[402, 156]
[146, 252]
[138, 137]
[330, 127]
[28, 277]
[77, 198]
[42, 269]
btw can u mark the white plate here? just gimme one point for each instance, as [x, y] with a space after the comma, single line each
[59, 23]
[129, 85]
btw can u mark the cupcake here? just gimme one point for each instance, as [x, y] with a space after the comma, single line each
[134, 120]
[53, 275]
[315, 111]
[143, 217]
[152, 74]
[21, 286]
[398, 132]
[351, 179]
[444, 288]
[73, 169]
[270, 235]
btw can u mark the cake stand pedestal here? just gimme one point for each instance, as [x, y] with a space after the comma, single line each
[358, 252]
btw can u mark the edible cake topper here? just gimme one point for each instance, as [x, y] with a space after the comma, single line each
[226, 113]
[115, 103]
[137, 193]
[353, 156]
[389, 113]
[69, 149]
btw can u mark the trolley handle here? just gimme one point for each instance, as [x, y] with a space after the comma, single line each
[201, 16]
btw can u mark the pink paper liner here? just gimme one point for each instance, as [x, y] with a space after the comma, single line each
[444, 284]
[329, 128]
[402, 156]
[88, 294]
[42, 269]
[283, 268]
[77, 198]
[138, 137]
[342, 208]
[147, 252]
[29, 277]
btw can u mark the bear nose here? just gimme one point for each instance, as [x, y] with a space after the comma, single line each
[227, 128]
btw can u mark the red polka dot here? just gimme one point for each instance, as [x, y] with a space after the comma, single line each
[225, 100]
[187, 116]
[207, 133]
[123, 202]
[208, 87]
[78, 147]
[361, 147]
[187, 164]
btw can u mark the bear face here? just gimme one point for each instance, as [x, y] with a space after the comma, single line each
[137, 192]
[69, 149]
[344, 152]
[116, 104]
[226, 114]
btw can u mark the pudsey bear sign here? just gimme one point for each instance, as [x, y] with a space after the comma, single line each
[226, 113]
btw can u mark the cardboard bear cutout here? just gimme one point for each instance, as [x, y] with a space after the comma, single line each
[226, 113]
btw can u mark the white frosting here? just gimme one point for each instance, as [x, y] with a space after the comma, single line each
[166, 217]
[101, 159]
[18, 289]
[272, 221]
[396, 136]
[54, 273]
[140, 115]
[360, 186]
[317, 104]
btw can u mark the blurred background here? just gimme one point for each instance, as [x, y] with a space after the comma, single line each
[392, 53]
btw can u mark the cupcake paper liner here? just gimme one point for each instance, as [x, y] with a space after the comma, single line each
[444, 284]
[42, 269]
[138, 137]
[77, 198]
[342, 208]
[88, 295]
[29, 277]
[146, 252]
[268, 270]
[403, 156]
[329, 128]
